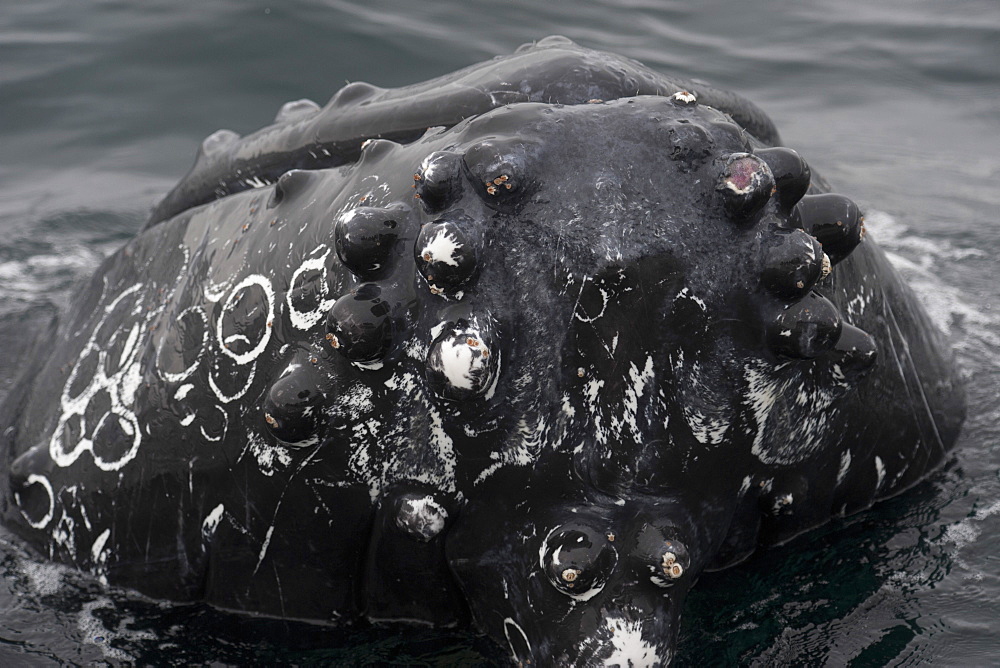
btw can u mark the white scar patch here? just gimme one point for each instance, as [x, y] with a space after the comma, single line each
[35, 479]
[604, 304]
[226, 398]
[706, 429]
[264, 335]
[442, 248]
[462, 362]
[181, 375]
[522, 450]
[211, 522]
[305, 320]
[424, 516]
[629, 416]
[269, 457]
[845, 465]
[99, 556]
[771, 388]
[630, 648]
[685, 293]
[119, 423]
[510, 627]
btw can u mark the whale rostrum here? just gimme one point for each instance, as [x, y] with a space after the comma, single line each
[527, 347]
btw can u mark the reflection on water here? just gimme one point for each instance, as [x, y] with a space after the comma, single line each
[104, 104]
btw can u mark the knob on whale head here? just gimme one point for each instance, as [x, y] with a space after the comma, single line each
[578, 584]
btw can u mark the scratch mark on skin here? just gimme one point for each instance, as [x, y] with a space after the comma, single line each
[277, 507]
[508, 624]
[576, 304]
[557, 257]
[909, 358]
[879, 472]
[211, 522]
[845, 464]
[281, 594]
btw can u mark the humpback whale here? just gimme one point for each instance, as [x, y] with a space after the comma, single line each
[526, 348]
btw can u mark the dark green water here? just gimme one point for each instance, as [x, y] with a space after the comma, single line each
[103, 104]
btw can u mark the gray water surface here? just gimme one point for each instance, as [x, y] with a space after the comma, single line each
[897, 103]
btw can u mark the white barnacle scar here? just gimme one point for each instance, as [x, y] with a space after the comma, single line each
[460, 361]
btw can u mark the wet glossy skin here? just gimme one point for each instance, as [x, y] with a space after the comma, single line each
[555, 71]
[535, 371]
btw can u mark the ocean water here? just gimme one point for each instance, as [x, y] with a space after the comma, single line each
[897, 103]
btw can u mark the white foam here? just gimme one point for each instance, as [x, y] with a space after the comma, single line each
[967, 532]
[43, 579]
[918, 260]
[94, 631]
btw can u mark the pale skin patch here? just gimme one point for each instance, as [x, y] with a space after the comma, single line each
[443, 247]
